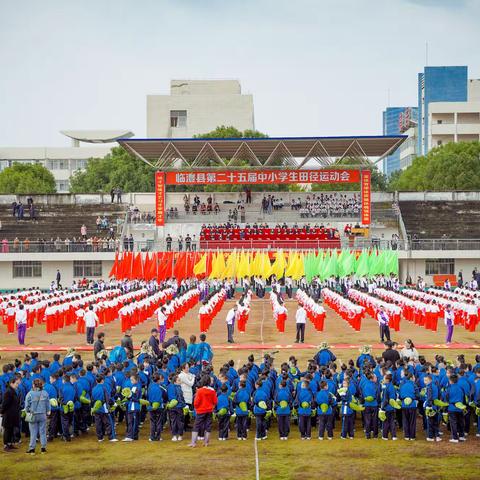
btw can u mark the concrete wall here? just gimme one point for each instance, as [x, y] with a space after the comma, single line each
[50, 264]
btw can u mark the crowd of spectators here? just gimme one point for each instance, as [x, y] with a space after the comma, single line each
[263, 231]
[20, 212]
[136, 216]
[59, 245]
[271, 203]
[328, 205]
[200, 207]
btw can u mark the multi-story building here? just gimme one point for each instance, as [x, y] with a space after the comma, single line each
[63, 162]
[438, 84]
[198, 106]
[394, 119]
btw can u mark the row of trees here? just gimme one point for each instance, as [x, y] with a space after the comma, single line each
[454, 166]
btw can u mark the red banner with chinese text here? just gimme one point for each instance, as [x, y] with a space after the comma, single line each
[160, 199]
[366, 197]
[259, 177]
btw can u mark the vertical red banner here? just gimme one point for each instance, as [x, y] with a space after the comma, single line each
[160, 199]
[366, 197]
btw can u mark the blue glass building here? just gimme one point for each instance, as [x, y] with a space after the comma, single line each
[438, 84]
[391, 126]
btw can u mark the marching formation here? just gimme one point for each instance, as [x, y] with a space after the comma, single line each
[175, 386]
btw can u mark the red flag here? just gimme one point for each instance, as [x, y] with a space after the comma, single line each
[137, 267]
[165, 267]
[150, 268]
[180, 268]
[113, 271]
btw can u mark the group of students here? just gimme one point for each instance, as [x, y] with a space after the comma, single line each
[376, 395]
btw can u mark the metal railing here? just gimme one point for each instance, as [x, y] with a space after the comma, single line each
[52, 247]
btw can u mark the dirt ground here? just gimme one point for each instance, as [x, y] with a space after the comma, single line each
[260, 331]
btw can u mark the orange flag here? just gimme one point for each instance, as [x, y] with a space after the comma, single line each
[114, 270]
[137, 267]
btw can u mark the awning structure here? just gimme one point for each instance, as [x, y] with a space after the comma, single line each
[294, 152]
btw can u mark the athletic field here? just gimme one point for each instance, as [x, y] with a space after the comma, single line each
[84, 458]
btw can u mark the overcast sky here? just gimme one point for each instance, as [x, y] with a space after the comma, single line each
[315, 67]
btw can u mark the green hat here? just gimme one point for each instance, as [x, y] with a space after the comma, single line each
[126, 392]
[324, 346]
[356, 407]
[172, 349]
[369, 399]
[395, 403]
[366, 349]
[262, 405]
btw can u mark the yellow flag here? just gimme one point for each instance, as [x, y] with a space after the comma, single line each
[278, 268]
[292, 258]
[256, 266]
[299, 268]
[229, 270]
[201, 266]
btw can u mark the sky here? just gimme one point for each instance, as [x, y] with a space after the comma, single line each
[314, 67]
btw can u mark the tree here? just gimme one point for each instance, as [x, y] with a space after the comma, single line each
[231, 132]
[117, 169]
[379, 180]
[453, 166]
[24, 179]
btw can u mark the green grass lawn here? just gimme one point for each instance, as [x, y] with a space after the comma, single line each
[84, 459]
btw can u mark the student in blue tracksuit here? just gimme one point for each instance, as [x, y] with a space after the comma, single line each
[476, 394]
[432, 394]
[156, 398]
[223, 411]
[54, 419]
[67, 397]
[409, 395]
[133, 408]
[283, 402]
[205, 352]
[104, 425]
[192, 351]
[261, 404]
[324, 356]
[370, 393]
[304, 403]
[346, 394]
[388, 395]
[241, 402]
[455, 396]
[175, 406]
[325, 402]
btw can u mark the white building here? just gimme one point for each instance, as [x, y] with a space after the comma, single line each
[64, 161]
[408, 149]
[198, 106]
[453, 122]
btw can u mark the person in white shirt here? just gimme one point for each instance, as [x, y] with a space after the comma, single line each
[300, 321]
[384, 321]
[90, 318]
[409, 351]
[21, 321]
[230, 320]
[187, 381]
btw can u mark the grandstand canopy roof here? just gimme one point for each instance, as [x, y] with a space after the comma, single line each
[296, 152]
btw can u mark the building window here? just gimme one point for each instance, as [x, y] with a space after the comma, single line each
[87, 268]
[178, 118]
[439, 142]
[439, 122]
[440, 266]
[26, 269]
[62, 185]
[57, 164]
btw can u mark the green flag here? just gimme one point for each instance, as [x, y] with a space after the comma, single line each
[310, 266]
[391, 262]
[362, 264]
[348, 263]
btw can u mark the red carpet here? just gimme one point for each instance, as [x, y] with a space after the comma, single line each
[245, 346]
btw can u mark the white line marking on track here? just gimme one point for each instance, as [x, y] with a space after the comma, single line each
[257, 465]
